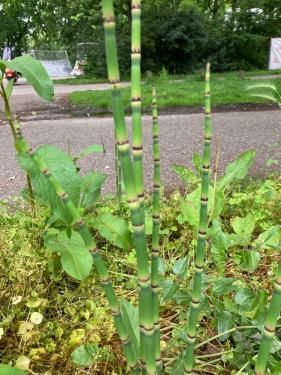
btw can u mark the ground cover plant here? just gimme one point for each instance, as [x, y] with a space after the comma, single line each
[182, 91]
[209, 316]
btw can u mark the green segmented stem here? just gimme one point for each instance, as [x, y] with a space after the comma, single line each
[137, 147]
[74, 214]
[155, 232]
[270, 326]
[202, 230]
[145, 291]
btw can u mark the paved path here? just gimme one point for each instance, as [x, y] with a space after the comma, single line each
[180, 137]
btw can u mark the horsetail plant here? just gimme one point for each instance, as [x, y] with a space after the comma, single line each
[270, 326]
[137, 147]
[202, 232]
[155, 231]
[79, 224]
[147, 342]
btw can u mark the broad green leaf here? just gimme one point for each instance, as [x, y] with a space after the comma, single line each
[237, 169]
[91, 189]
[249, 260]
[225, 322]
[75, 258]
[35, 74]
[130, 315]
[8, 370]
[224, 285]
[244, 297]
[270, 238]
[219, 203]
[251, 303]
[219, 247]
[93, 149]
[85, 355]
[190, 206]
[114, 229]
[179, 268]
[244, 225]
[64, 171]
[169, 289]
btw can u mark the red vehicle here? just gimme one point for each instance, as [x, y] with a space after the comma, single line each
[11, 74]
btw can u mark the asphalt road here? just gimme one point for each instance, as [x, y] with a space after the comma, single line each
[180, 137]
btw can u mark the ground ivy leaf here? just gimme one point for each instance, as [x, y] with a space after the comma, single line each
[84, 355]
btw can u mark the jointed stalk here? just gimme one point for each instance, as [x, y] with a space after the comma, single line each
[270, 326]
[202, 231]
[79, 224]
[132, 188]
[137, 147]
[155, 232]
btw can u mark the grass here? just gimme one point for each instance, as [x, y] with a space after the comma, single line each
[227, 89]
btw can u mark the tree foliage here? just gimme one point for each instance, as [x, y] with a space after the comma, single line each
[179, 35]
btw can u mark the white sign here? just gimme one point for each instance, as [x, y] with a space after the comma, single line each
[275, 54]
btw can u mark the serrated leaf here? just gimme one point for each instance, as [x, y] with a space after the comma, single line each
[75, 258]
[237, 169]
[114, 229]
[130, 316]
[64, 171]
[8, 370]
[91, 189]
[84, 355]
[35, 74]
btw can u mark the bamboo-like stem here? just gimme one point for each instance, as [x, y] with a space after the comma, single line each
[270, 326]
[145, 291]
[137, 146]
[155, 232]
[202, 231]
[79, 224]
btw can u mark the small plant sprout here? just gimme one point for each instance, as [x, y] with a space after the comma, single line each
[202, 232]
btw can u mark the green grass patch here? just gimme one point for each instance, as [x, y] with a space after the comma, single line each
[227, 88]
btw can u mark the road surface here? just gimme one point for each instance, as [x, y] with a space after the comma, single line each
[180, 136]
